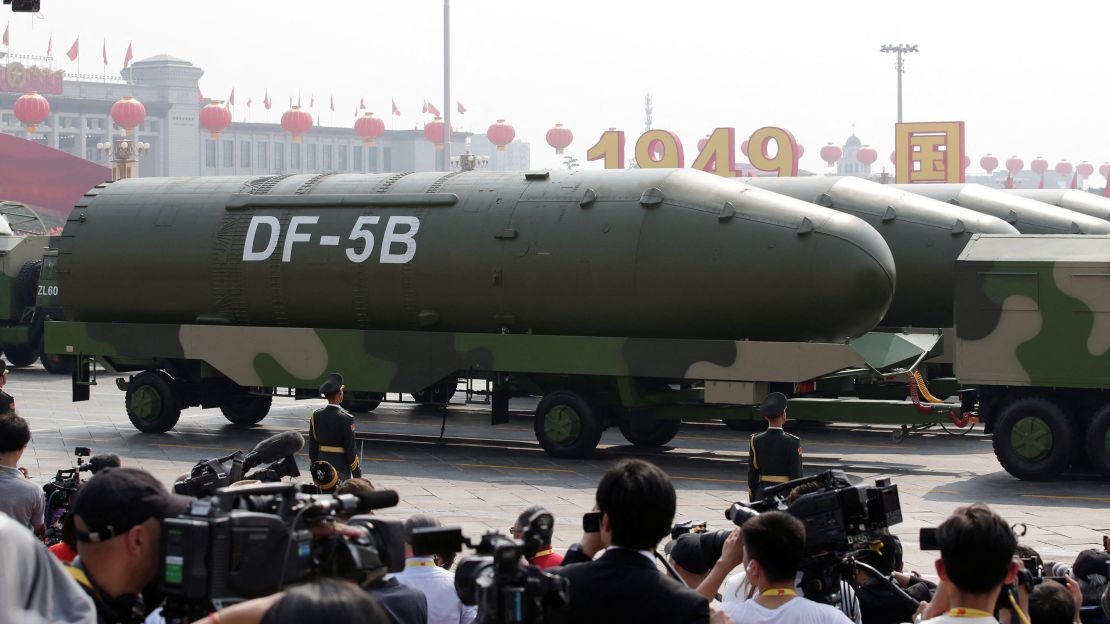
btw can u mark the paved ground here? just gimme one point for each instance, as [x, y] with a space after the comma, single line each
[485, 475]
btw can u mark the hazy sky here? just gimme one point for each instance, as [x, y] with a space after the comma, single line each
[1028, 78]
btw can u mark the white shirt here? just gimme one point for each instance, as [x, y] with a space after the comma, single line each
[736, 589]
[794, 611]
[438, 585]
[35, 587]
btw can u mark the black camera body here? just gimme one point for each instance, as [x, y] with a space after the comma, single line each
[495, 578]
[690, 526]
[251, 541]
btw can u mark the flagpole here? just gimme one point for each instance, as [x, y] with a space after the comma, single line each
[447, 85]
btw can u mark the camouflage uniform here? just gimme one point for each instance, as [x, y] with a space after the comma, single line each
[774, 456]
[332, 439]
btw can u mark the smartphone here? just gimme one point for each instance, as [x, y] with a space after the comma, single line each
[591, 522]
[928, 538]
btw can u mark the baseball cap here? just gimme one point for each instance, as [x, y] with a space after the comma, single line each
[696, 552]
[1089, 562]
[116, 499]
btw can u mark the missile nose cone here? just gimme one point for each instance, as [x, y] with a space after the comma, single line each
[853, 275]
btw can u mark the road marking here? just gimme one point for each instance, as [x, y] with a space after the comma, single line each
[673, 477]
[1086, 498]
[516, 468]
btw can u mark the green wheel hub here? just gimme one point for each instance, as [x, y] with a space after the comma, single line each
[562, 425]
[146, 403]
[1032, 438]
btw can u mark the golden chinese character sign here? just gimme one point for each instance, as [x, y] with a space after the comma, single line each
[929, 152]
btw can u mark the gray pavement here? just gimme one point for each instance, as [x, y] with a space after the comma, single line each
[485, 475]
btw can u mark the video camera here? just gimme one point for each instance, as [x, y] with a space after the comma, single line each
[495, 578]
[60, 491]
[276, 451]
[842, 521]
[690, 526]
[250, 541]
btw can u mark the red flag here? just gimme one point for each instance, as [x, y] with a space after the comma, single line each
[332, 105]
[425, 109]
[248, 102]
[433, 110]
[200, 96]
[74, 49]
[396, 111]
[7, 41]
[1075, 180]
[104, 52]
[460, 107]
[127, 57]
[266, 100]
[231, 98]
[50, 45]
[362, 103]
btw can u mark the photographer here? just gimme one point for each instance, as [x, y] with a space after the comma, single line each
[325, 600]
[1052, 603]
[774, 544]
[19, 498]
[545, 557]
[976, 559]
[878, 602]
[117, 517]
[436, 583]
[636, 501]
[34, 586]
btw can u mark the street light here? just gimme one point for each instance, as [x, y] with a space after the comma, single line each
[899, 66]
[124, 154]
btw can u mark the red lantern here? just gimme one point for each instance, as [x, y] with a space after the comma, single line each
[215, 118]
[1085, 169]
[1038, 165]
[559, 138]
[989, 163]
[1064, 168]
[966, 162]
[894, 158]
[32, 109]
[296, 122]
[867, 155]
[744, 147]
[702, 142]
[1014, 165]
[128, 113]
[799, 151]
[831, 154]
[369, 128]
[500, 134]
[433, 131]
[1104, 170]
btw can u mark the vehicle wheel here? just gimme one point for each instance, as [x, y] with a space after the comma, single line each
[747, 425]
[57, 364]
[362, 406]
[1034, 438]
[1098, 441]
[567, 425]
[648, 431]
[152, 403]
[21, 355]
[246, 409]
[26, 283]
[438, 393]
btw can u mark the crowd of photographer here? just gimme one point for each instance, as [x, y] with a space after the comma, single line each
[248, 546]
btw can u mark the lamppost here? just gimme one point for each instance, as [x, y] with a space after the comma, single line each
[124, 153]
[446, 84]
[899, 66]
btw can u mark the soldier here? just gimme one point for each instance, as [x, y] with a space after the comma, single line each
[7, 401]
[774, 456]
[331, 434]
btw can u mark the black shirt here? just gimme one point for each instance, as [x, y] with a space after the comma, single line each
[404, 604]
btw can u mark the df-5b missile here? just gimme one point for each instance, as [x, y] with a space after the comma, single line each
[924, 235]
[643, 252]
[1027, 215]
[1072, 199]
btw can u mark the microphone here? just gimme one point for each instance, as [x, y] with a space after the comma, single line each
[274, 448]
[97, 463]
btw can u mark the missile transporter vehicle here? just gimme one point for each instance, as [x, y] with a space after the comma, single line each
[28, 296]
[635, 298]
[1033, 341]
[1028, 216]
[1073, 199]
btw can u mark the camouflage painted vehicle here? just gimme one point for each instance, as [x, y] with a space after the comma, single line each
[1032, 339]
[28, 295]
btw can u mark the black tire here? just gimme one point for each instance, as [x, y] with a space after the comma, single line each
[23, 355]
[747, 425]
[567, 424]
[438, 393]
[26, 283]
[245, 410]
[152, 402]
[1097, 441]
[648, 431]
[360, 406]
[57, 364]
[1034, 438]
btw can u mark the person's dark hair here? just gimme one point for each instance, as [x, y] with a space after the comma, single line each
[14, 432]
[326, 600]
[419, 521]
[522, 521]
[977, 547]
[886, 561]
[1051, 603]
[777, 541]
[805, 488]
[1027, 552]
[355, 485]
[639, 499]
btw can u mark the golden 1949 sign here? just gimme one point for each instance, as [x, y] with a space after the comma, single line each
[925, 152]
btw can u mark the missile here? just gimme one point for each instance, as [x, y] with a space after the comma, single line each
[643, 252]
[1027, 215]
[1089, 204]
[925, 237]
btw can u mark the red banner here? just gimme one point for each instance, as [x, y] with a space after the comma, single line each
[19, 78]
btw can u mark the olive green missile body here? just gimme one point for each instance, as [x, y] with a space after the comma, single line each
[1027, 215]
[1089, 204]
[925, 237]
[642, 252]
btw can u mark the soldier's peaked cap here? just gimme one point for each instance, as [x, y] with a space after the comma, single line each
[332, 384]
[773, 405]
